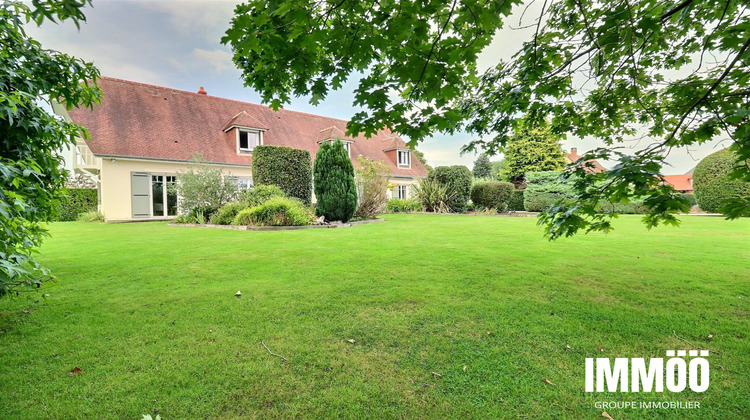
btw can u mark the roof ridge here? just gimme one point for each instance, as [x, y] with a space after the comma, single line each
[114, 79]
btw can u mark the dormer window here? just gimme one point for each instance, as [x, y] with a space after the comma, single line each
[347, 145]
[247, 140]
[404, 159]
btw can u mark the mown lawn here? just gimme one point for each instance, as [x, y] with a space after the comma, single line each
[452, 317]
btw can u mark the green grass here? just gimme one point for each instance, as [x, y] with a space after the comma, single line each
[148, 312]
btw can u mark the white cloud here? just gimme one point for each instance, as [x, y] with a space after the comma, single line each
[205, 19]
[219, 60]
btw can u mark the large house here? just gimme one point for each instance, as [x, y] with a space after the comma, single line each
[590, 166]
[143, 136]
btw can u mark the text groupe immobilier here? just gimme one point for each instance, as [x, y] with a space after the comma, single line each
[647, 404]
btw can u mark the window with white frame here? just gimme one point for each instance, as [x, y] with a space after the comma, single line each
[402, 194]
[247, 140]
[163, 195]
[348, 147]
[404, 159]
[243, 183]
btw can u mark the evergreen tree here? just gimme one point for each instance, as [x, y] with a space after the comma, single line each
[335, 190]
[532, 149]
[482, 167]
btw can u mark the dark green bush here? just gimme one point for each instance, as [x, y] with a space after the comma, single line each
[335, 189]
[289, 169]
[457, 179]
[75, 202]
[690, 197]
[278, 211]
[712, 183]
[633, 207]
[226, 214]
[201, 214]
[492, 195]
[544, 189]
[260, 194]
[396, 205]
[516, 201]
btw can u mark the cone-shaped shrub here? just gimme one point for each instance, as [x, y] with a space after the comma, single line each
[335, 190]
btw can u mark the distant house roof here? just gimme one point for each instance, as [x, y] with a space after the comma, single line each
[591, 166]
[146, 121]
[682, 183]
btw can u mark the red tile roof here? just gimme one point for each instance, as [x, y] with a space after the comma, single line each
[682, 183]
[243, 119]
[333, 132]
[146, 121]
[592, 166]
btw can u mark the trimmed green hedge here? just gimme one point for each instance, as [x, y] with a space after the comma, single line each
[456, 178]
[76, 202]
[289, 169]
[712, 184]
[492, 195]
[545, 189]
[516, 201]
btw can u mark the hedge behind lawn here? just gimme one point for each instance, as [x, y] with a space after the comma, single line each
[75, 202]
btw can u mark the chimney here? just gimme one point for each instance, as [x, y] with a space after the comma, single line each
[573, 150]
[202, 92]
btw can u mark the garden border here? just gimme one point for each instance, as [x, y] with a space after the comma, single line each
[272, 228]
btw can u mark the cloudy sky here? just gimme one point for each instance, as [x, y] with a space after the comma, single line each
[177, 44]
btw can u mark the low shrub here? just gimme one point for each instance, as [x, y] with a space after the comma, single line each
[690, 197]
[226, 214]
[201, 214]
[75, 202]
[492, 195]
[486, 211]
[545, 189]
[260, 194]
[278, 211]
[183, 218]
[397, 205]
[631, 207]
[516, 201]
[457, 179]
[435, 196]
[91, 216]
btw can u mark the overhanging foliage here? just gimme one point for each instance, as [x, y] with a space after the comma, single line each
[675, 73]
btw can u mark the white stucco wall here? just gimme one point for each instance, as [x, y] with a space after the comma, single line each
[116, 189]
